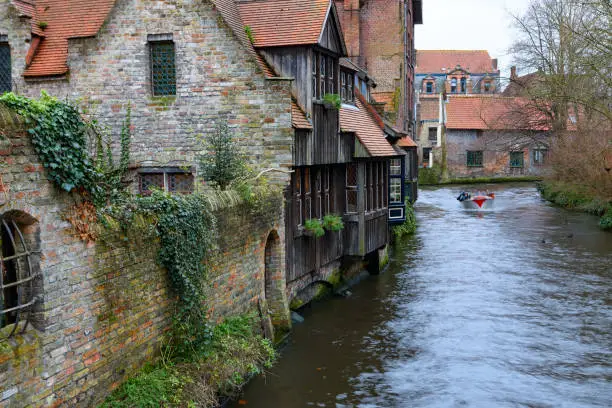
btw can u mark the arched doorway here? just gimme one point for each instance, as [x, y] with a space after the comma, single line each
[274, 285]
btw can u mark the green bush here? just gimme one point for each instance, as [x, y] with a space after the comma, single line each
[315, 227]
[408, 227]
[333, 222]
[224, 162]
[605, 222]
[333, 100]
[429, 175]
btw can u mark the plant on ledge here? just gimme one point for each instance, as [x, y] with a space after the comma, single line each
[315, 227]
[332, 100]
[333, 222]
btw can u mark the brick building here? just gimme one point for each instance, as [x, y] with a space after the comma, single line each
[88, 316]
[96, 313]
[448, 72]
[379, 37]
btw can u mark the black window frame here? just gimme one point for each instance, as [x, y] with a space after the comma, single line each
[429, 87]
[168, 175]
[159, 45]
[6, 79]
[432, 131]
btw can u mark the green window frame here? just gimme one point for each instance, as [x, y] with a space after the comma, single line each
[517, 159]
[163, 68]
[475, 158]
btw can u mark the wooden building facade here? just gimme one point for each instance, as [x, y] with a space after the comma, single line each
[342, 158]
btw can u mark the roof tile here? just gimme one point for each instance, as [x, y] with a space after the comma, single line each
[368, 131]
[284, 22]
[64, 19]
[298, 117]
[474, 61]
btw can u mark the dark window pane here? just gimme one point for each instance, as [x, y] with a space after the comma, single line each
[516, 159]
[163, 69]
[5, 68]
[180, 183]
[474, 158]
[151, 180]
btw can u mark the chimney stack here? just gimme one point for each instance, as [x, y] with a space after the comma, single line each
[494, 62]
[513, 72]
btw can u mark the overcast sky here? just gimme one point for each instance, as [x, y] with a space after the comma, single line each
[469, 25]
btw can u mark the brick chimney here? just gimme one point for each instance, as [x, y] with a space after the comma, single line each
[513, 72]
[494, 63]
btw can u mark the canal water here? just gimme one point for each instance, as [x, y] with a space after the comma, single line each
[506, 308]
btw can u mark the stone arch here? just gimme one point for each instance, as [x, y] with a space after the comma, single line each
[21, 285]
[274, 282]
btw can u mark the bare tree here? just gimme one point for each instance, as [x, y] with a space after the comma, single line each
[567, 42]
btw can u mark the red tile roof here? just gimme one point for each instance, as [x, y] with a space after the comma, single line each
[64, 19]
[492, 113]
[285, 22]
[298, 117]
[406, 142]
[367, 130]
[231, 14]
[473, 61]
[25, 7]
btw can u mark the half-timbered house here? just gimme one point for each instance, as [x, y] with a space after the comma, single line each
[342, 160]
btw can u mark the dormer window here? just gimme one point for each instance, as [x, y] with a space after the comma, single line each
[454, 85]
[463, 85]
[429, 87]
[5, 65]
[346, 87]
[323, 77]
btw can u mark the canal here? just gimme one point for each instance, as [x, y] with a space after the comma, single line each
[506, 308]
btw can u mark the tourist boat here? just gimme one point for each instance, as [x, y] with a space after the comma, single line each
[479, 201]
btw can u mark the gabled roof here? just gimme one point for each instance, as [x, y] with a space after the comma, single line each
[298, 117]
[432, 61]
[64, 19]
[231, 14]
[359, 121]
[276, 23]
[493, 113]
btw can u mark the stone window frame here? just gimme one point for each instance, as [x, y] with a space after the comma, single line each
[6, 79]
[156, 43]
[21, 285]
[168, 175]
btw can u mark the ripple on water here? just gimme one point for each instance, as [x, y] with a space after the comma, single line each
[506, 308]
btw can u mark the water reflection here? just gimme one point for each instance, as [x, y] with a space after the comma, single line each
[503, 308]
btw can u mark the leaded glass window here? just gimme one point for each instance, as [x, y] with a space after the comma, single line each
[474, 158]
[5, 67]
[351, 188]
[163, 68]
[172, 180]
[517, 159]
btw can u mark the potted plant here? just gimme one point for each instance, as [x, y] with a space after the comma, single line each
[314, 227]
[332, 101]
[332, 222]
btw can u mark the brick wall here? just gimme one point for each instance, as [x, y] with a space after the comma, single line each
[215, 80]
[105, 306]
